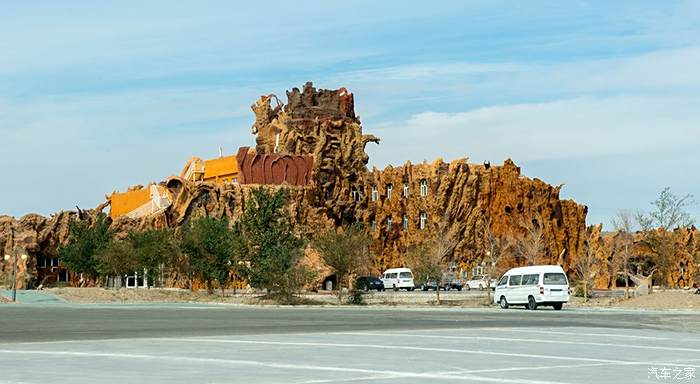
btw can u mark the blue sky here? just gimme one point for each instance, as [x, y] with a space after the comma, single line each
[600, 96]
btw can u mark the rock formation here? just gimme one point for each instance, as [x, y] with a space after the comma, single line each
[401, 206]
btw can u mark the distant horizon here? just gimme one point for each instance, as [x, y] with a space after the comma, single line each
[594, 95]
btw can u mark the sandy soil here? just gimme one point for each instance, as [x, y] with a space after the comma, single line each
[670, 299]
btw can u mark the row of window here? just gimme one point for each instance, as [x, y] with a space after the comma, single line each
[422, 222]
[43, 262]
[374, 194]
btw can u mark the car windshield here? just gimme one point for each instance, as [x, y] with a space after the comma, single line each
[555, 279]
[405, 275]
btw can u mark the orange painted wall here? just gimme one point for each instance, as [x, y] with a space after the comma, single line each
[221, 169]
[125, 202]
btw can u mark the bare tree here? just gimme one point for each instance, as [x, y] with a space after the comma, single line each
[658, 226]
[531, 245]
[585, 265]
[496, 246]
[429, 260]
[623, 222]
[343, 252]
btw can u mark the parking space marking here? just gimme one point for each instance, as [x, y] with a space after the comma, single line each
[395, 347]
[282, 366]
[529, 330]
[492, 338]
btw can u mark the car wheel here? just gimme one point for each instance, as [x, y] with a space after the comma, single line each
[481, 287]
[557, 306]
[531, 303]
[447, 288]
[395, 288]
[366, 288]
[503, 302]
[468, 287]
[459, 289]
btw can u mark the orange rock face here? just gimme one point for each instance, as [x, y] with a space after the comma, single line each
[401, 206]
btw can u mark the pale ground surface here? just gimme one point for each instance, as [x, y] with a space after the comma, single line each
[671, 299]
[204, 343]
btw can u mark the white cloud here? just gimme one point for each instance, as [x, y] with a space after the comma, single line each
[561, 129]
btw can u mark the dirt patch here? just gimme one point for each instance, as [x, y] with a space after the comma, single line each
[101, 295]
[669, 299]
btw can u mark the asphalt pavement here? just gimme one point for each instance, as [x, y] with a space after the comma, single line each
[192, 343]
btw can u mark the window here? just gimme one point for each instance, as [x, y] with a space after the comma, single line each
[405, 189]
[531, 279]
[405, 221]
[389, 188]
[393, 275]
[375, 195]
[406, 275]
[63, 276]
[388, 223]
[423, 220]
[54, 262]
[515, 280]
[424, 187]
[503, 280]
[479, 270]
[554, 279]
[235, 180]
[41, 262]
[355, 195]
[374, 226]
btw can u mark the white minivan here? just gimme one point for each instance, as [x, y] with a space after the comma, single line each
[398, 278]
[533, 286]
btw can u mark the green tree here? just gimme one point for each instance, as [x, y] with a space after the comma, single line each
[154, 249]
[273, 251]
[117, 259]
[212, 249]
[343, 251]
[85, 242]
[658, 226]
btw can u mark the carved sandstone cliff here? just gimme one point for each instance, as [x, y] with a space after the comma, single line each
[322, 124]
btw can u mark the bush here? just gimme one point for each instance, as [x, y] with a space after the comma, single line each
[356, 297]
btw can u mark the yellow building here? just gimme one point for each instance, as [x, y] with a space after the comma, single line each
[219, 170]
[139, 201]
[223, 169]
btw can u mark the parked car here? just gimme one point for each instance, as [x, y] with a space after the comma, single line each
[453, 284]
[697, 292]
[398, 278]
[428, 285]
[367, 283]
[434, 285]
[479, 282]
[532, 287]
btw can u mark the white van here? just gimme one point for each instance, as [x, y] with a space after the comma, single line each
[398, 278]
[533, 286]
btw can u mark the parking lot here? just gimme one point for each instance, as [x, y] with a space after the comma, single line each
[223, 344]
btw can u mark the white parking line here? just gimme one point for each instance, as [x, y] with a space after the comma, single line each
[281, 366]
[529, 330]
[396, 347]
[510, 339]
